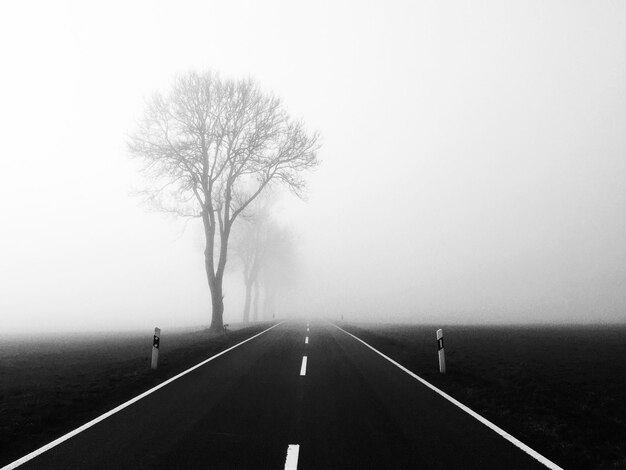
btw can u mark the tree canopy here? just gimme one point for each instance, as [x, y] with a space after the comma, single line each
[209, 147]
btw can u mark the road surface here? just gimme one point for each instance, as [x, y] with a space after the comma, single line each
[345, 408]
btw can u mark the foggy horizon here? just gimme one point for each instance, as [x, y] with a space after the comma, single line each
[472, 170]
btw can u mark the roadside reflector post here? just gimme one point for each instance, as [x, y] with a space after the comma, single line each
[442, 354]
[155, 347]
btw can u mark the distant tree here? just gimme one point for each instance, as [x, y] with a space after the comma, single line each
[209, 147]
[250, 246]
[266, 254]
[279, 266]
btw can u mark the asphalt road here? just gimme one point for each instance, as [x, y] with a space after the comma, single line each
[351, 410]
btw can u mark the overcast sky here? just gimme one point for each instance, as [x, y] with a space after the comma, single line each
[474, 159]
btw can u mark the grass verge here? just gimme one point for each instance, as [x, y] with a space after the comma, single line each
[50, 386]
[560, 390]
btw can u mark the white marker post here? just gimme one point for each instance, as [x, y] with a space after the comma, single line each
[442, 355]
[291, 463]
[155, 348]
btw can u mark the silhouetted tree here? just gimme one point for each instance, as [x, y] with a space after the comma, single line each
[250, 245]
[210, 146]
[279, 266]
[266, 253]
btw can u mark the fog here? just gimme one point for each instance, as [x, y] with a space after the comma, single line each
[473, 160]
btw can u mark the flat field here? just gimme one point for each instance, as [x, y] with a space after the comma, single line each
[53, 384]
[559, 389]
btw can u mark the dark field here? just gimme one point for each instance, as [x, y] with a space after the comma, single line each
[51, 385]
[561, 390]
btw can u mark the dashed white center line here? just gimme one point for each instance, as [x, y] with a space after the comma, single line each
[291, 462]
[306, 340]
[307, 329]
[303, 368]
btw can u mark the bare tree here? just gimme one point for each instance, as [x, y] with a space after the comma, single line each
[250, 246]
[265, 251]
[279, 266]
[209, 147]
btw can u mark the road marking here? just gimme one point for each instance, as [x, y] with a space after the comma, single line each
[533, 453]
[104, 416]
[306, 340]
[303, 368]
[291, 462]
[307, 329]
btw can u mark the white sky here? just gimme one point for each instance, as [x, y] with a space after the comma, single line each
[473, 170]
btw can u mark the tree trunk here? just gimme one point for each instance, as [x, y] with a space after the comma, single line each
[214, 280]
[217, 301]
[246, 306]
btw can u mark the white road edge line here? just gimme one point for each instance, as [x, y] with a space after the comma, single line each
[303, 368]
[104, 416]
[533, 453]
[291, 462]
[306, 340]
